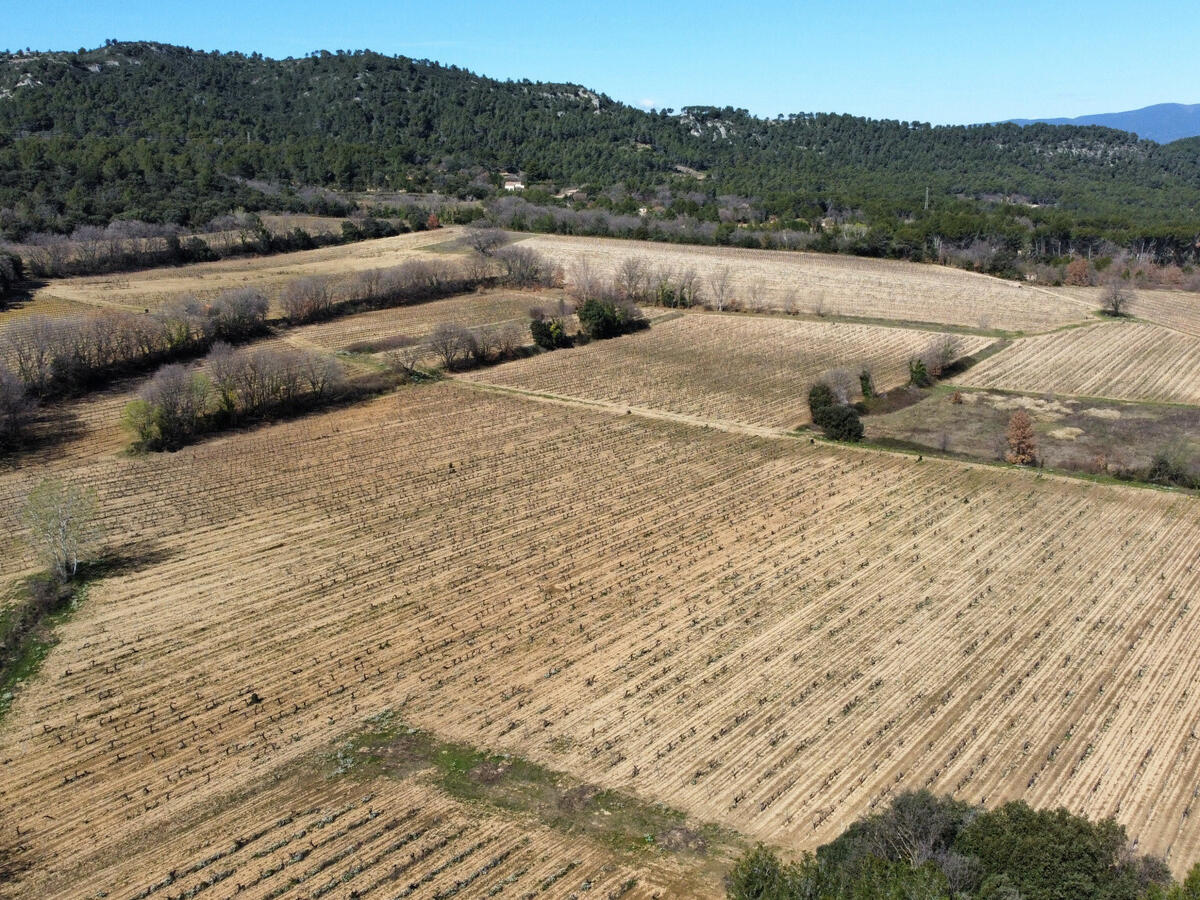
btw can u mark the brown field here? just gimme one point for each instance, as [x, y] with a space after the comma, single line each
[764, 634]
[839, 285]
[418, 320]
[1122, 360]
[150, 288]
[754, 370]
[379, 838]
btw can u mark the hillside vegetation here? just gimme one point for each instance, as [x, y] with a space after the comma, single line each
[163, 133]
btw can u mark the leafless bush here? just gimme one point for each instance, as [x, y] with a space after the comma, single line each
[237, 314]
[842, 382]
[510, 338]
[14, 405]
[719, 286]
[484, 240]
[941, 354]
[1116, 297]
[307, 299]
[632, 279]
[29, 343]
[449, 342]
[48, 254]
[523, 267]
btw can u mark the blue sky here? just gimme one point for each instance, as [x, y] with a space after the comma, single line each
[928, 61]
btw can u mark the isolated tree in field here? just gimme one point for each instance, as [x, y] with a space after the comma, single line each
[485, 240]
[1022, 446]
[1116, 298]
[60, 518]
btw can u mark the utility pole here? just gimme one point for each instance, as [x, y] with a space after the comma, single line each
[926, 199]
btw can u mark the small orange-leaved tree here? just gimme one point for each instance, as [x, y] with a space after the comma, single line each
[1022, 448]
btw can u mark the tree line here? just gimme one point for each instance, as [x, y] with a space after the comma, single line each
[167, 134]
[234, 386]
[48, 358]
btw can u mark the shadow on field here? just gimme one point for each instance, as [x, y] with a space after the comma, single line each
[123, 560]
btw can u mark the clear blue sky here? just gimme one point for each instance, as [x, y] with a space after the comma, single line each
[967, 61]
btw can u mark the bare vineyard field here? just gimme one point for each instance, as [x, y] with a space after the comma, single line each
[418, 320]
[838, 285]
[1123, 360]
[746, 369]
[367, 839]
[768, 635]
[1179, 310]
[46, 305]
[151, 288]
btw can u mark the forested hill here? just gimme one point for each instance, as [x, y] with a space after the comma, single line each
[164, 133]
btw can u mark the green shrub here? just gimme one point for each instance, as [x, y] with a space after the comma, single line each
[601, 319]
[1054, 855]
[1170, 469]
[820, 400]
[841, 423]
[918, 373]
[760, 875]
[549, 334]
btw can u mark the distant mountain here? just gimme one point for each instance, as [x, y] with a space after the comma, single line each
[1163, 122]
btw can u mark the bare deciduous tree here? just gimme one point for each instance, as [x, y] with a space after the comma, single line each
[841, 382]
[523, 267]
[941, 354]
[632, 278]
[585, 282]
[306, 299]
[719, 286]
[60, 518]
[1116, 297]
[484, 240]
[14, 405]
[448, 343]
[510, 338]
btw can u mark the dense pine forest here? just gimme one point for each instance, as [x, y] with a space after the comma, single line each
[167, 134]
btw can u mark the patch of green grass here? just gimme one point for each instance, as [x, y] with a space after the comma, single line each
[35, 646]
[616, 819]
